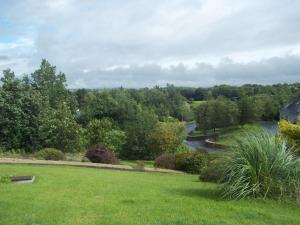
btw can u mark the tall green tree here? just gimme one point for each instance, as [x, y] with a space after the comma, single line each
[217, 113]
[250, 110]
[60, 130]
[52, 85]
[137, 131]
[20, 108]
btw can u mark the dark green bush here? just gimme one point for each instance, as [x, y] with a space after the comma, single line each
[192, 162]
[166, 161]
[100, 154]
[50, 154]
[214, 172]
[4, 179]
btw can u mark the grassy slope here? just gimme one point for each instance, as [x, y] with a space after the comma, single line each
[69, 195]
[195, 104]
[228, 136]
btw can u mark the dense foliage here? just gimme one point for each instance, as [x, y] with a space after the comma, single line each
[166, 137]
[263, 166]
[217, 113]
[189, 162]
[292, 133]
[192, 162]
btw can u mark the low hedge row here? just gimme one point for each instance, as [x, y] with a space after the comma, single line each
[190, 162]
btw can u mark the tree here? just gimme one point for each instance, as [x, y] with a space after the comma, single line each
[137, 131]
[166, 137]
[60, 130]
[217, 114]
[106, 133]
[20, 108]
[249, 110]
[10, 110]
[270, 107]
[52, 85]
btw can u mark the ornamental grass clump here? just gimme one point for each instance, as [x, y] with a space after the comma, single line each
[263, 166]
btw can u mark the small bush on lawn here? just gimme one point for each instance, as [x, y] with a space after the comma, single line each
[261, 165]
[100, 154]
[85, 159]
[166, 161]
[50, 154]
[4, 179]
[192, 162]
[214, 172]
[139, 166]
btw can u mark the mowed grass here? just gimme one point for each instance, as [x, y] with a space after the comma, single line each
[195, 104]
[72, 195]
[229, 135]
[133, 163]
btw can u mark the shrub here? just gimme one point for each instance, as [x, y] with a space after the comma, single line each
[139, 166]
[166, 137]
[4, 179]
[214, 172]
[261, 165]
[292, 133]
[85, 159]
[192, 162]
[166, 161]
[50, 154]
[100, 154]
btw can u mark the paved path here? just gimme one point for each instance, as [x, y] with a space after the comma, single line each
[82, 164]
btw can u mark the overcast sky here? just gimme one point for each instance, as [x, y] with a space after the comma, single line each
[138, 43]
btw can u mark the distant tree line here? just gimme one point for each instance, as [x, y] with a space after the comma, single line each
[38, 111]
[225, 105]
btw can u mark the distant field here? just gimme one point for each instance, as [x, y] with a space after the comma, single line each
[194, 104]
[64, 195]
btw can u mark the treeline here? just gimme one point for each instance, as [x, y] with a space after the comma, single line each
[38, 111]
[224, 105]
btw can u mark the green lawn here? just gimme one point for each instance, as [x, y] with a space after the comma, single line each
[133, 163]
[71, 195]
[195, 104]
[229, 135]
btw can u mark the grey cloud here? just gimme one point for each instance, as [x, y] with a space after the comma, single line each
[78, 35]
[273, 70]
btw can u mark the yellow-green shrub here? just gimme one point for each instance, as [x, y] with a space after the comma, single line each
[291, 132]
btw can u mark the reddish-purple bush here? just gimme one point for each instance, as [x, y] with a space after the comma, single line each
[167, 161]
[99, 154]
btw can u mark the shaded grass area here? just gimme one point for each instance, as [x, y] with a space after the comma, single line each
[67, 195]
